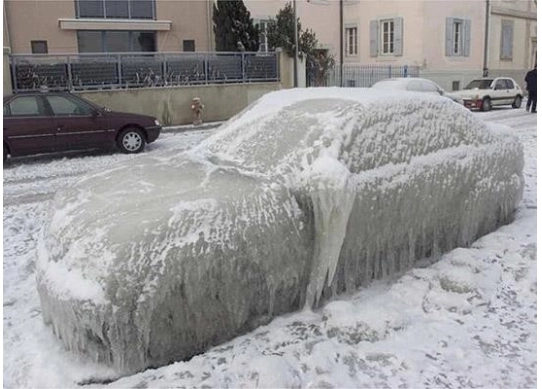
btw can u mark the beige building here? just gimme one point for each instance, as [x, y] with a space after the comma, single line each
[445, 38]
[72, 26]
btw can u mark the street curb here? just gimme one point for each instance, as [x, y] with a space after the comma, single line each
[191, 127]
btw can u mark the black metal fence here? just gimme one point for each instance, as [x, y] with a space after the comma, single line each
[360, 75]
[137, 70]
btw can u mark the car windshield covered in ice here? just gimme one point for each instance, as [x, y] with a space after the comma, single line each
[306, 194]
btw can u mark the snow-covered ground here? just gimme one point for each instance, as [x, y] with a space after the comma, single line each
[468, 320]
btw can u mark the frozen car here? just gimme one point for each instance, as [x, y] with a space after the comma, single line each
[485, 93]
[305, 194]
[415, 84]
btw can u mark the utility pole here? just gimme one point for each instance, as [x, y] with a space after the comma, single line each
[485, 71]
[296, 43]
[341, 40]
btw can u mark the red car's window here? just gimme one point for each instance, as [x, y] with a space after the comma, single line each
[24, 106]
[63, 106]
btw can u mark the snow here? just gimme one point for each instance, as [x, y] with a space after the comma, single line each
[468, 320]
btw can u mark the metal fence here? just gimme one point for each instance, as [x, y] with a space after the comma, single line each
[361, 75]
[136, 70]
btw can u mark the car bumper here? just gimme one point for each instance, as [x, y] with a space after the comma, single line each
[472, 104]
[152, 133]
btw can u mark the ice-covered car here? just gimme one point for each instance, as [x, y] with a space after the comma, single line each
[485, 93]
[305, 194]
[415, 84]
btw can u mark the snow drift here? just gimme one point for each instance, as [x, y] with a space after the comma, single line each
[156, 260]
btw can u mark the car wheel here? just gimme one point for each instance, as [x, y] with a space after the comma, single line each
[131, 140]
[517, 102]
[486, 104]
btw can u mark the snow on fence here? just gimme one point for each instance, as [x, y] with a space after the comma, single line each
[136, 70]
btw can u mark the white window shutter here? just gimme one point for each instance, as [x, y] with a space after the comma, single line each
[466, 37]
[398, 37]
[449, 37]
[374, 37]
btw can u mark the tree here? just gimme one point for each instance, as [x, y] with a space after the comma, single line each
[233, 27]
[281, 33]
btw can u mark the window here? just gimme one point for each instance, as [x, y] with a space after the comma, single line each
[189, 45]
[116, 41]
[264, 40]
[457, 37]
[115, 9]
[455, 85]
[351, 41]
[39, 47]
[387, 37]
[500, 85]
[63, 106]
[24, 106]
[507, 39]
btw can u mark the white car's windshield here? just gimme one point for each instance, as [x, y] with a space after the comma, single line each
[479, 84]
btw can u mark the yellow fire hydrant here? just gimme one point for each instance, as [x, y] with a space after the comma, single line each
[197, 111]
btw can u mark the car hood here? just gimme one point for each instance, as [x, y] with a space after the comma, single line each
[467, 93]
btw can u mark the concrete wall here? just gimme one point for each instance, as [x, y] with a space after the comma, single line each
[172, 105]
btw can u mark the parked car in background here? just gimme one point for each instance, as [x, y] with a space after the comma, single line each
[45, 122]
[485, 93]
[415, 84]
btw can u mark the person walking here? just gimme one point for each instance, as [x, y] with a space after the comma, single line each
[530, 79]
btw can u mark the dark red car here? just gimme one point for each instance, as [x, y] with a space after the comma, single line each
[45, 122]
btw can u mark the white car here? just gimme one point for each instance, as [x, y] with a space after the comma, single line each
[484, 93]
[415, 84]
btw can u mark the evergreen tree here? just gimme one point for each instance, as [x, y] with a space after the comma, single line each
[233, 27]
[281, 33]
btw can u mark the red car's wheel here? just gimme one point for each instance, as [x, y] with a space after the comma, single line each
[131, 140]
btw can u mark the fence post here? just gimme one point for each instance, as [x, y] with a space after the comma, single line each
[243, 70]
[277, 66]
[206, 67]
[70, 78]
[119, 69]
[164, 70]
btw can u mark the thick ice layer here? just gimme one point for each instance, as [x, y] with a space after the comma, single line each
[306, 194]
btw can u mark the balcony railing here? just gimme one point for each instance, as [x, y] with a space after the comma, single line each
[139, 70]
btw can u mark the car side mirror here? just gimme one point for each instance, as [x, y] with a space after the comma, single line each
[96, 113]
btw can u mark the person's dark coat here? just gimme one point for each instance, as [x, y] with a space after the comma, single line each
[530, 79]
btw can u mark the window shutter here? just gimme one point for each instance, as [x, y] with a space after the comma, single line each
[374, 38]
[398, 37]
[449, 37]
[466, 35]
[507, 39]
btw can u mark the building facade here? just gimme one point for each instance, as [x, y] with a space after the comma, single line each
[445, 39]
[79, 26]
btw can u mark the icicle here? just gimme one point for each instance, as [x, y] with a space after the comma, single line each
[333, 199]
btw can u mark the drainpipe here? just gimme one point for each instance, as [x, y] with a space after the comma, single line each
[296, 43]
[6, 25]
[341, 41]
[486, 42]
